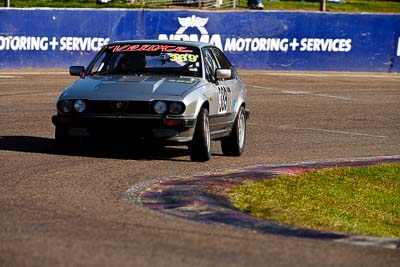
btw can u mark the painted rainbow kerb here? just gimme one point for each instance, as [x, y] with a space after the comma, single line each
[203, 197]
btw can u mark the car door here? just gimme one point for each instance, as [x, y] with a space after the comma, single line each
[230, 86]
[221, 108]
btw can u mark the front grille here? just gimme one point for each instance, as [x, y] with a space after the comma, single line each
[118, 107]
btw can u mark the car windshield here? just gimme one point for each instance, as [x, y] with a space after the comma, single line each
[138, 59]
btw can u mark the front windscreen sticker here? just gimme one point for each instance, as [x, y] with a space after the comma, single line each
[150, 48]
[183, 58]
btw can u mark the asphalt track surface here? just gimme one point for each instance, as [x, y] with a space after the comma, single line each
[71, 209]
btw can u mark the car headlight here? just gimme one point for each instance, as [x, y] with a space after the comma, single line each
[80, 106]
[65, 106]
[175, 108]
[160, 107]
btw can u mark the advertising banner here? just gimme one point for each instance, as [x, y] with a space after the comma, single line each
[287, 40]
[57, 38]
[265, 40]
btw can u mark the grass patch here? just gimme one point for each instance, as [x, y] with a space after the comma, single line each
[377, 6]
[392, 6]
[364, 200]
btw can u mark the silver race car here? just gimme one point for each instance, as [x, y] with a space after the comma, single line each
[174, 91]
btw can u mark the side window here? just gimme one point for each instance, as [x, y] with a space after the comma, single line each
[105, 63]
[210, 65]
[223, 62]
[99, 65]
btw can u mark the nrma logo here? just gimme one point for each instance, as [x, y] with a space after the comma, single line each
[193, 28]
[192, 24]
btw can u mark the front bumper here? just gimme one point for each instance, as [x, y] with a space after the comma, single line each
[174, 129]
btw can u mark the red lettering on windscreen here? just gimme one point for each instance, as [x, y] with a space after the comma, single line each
[149, 48]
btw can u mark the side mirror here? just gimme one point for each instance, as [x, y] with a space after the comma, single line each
[77, 71]
[223, 74]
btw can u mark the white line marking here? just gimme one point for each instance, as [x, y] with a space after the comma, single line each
[6, 76]
[313, 94]
[295, 92]
[265, 88]
[33, 72]
[283, 127]
[371, 241]
[316, 74]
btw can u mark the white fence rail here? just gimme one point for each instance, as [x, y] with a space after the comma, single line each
[188, 3]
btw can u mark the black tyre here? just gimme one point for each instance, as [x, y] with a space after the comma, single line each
[63, 140]
[234, 144]
[200, 147]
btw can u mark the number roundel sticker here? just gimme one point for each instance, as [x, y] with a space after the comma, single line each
[223, 99]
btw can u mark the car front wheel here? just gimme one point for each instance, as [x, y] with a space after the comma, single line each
[63, 140]
[233, 145]
[200, 146]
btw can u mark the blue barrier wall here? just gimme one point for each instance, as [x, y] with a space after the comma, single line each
[268, 40]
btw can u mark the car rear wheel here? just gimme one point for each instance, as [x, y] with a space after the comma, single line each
[233, 145]
[200, 147]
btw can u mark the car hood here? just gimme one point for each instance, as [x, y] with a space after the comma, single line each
[128, 87]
